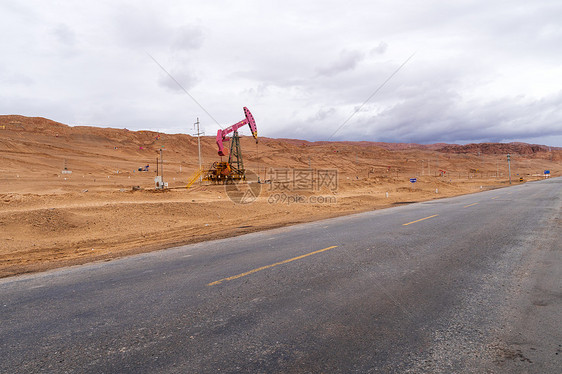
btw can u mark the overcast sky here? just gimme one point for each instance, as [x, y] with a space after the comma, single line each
[481, 70]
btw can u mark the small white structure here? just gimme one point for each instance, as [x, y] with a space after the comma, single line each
[159, 184]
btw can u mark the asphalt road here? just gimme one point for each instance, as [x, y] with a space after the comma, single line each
[465, 284]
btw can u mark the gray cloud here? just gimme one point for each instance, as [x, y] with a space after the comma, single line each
[64, 35]
[146, 28]
[188, 38]
[483, 71]
[185, 78]
[380, 49]
[347, 60]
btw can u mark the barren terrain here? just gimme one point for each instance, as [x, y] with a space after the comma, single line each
[66, 193]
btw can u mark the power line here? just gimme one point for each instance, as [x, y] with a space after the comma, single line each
[184, 90]
[370, 97]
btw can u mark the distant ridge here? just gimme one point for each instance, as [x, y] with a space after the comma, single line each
[497, 148]
[47, 126]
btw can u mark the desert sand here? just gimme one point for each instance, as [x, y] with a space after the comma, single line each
[71, 195]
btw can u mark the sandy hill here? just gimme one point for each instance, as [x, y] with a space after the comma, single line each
[66, 193]
[39, 149]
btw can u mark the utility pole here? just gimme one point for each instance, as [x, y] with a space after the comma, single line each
[162, 167]
[509, 167]
[199, 148]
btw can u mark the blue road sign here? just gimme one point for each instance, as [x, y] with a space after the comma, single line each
[547, 171]
[413, 180]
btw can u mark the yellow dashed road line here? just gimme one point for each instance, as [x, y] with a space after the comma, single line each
[269, 266]
[409, 223]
